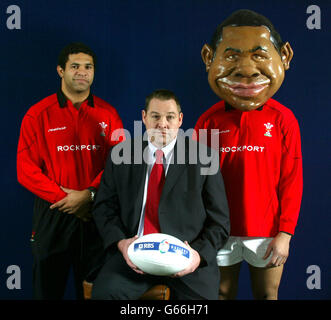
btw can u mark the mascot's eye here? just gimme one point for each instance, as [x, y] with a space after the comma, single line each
[259, 57]
[232, 57]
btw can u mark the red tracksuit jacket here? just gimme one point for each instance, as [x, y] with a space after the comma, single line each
[261, 163]
[62, 146]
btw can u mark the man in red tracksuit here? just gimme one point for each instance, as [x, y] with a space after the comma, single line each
[63, 145]
[260, 149]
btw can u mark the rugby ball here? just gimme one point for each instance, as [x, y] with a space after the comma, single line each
[159, 254]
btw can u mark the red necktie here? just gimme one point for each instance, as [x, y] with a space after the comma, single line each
[154, 191]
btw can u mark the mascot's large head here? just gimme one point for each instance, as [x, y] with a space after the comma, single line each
[246, 60]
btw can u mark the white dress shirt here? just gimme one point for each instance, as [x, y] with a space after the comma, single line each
[168, 151]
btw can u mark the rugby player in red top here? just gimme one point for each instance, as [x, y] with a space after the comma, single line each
[62, 150]
[260, 149]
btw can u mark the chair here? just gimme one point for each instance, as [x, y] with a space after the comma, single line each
[158, 292]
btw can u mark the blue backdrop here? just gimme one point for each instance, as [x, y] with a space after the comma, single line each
[148, 44]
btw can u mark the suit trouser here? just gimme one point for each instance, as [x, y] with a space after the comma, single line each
[117, 281]
[61, 241]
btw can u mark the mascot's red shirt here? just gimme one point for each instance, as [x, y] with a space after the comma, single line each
[62, 146]
[261, 163]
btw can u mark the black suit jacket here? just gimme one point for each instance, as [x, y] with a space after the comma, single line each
[192, 207]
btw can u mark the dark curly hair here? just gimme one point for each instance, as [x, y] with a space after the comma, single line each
[73, 48]
[243, 18]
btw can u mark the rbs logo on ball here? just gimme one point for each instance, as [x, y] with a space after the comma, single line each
[163, 247]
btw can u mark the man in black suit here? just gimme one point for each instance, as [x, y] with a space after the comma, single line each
[192, 207]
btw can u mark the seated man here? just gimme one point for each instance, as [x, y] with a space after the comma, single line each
[166, 193]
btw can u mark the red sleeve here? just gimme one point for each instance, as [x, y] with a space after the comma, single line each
[115, 136]
[96, 182]
[204, 132]
[290, 185]
[29, 164]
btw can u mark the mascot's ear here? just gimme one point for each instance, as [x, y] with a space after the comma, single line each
[286, 53]
[207, 55]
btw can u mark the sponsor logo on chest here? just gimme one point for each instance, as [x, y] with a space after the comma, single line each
[247, 147]
[82, 147]
[57, 129]
[243, 148]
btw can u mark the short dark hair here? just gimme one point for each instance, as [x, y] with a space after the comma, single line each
[162, 94]
[246, 18]
[73, 48]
